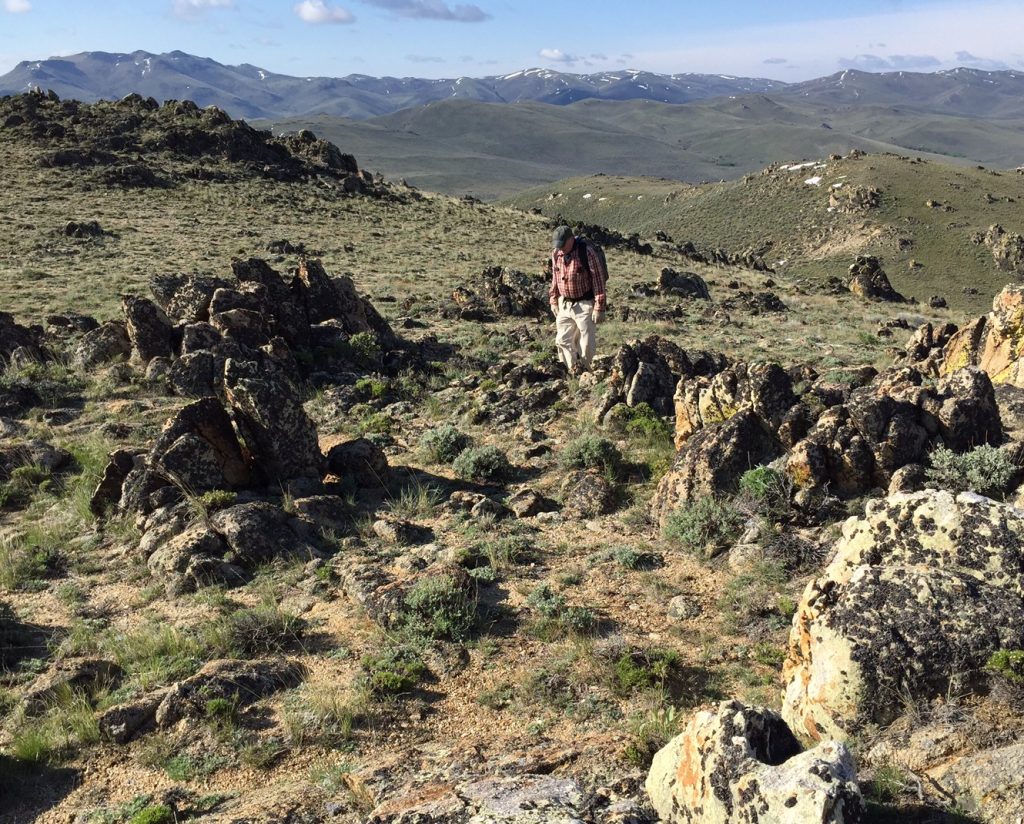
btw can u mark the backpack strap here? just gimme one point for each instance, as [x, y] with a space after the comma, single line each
[584, 258]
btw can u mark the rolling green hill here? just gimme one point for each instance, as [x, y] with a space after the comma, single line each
[926, 250]
[492, 150]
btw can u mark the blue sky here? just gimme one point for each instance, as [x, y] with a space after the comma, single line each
[797, 40]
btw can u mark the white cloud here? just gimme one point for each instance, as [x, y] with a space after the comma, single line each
[17, 6]
[965, 58]
[894, 62]
[194, 8]
[939, 31]
[556, 56]
[432, 10]
[317, 11]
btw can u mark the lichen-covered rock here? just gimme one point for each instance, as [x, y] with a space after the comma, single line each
[1007, 249]
[108, 490]
[919, 593]
[148, 327]
[258, 532]
[189, 560]
[241, 681]
[587, 494]
[269, 414]
[764, 388]
[712, 461]
[925, 347]
[107, 343]
[198, 449]
[14, 336]
[743, 764]
[647, 371]
[994, 342]
[868, 280]
[988, 783]
[359, 460]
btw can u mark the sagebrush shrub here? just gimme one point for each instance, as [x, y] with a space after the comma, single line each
[438, 607]
[592, 452]
[986, 470]
[482, 463]
[705, 527]
[444, 443]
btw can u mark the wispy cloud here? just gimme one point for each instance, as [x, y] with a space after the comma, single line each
[894, 62]
[318, 12]
[17, 6]
[190, 9]
[775, 61]
[432, 10]
[556, 56]
[424, 58]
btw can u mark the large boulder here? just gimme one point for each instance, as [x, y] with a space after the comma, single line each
[269, 414]
[987, 783]
[868, 280]
[647, 371]
[107, 343]
[764, 388]
[258, 532]
[743, 764]
[712, 461]
[1007, 249]
[198, 449]
[148, 327]
[920, 592]
[993, 342]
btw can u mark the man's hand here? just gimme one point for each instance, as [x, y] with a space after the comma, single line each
[598, 317]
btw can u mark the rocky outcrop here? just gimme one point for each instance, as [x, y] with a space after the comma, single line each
[701, 401]
[647, 371]
[107, 343]
[743, 764]
[499, 292]
[919, 593]
[1007, 249]
[711, 462]
[854, 199]
[988, 783]
[993, 342]
[149, 329]
[239, 681]
[868, 280]
[893, 421]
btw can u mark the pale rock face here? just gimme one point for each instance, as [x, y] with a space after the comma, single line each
[919, 593]
[739, 764]
[993, 342]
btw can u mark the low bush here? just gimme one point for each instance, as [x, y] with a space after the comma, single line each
[393, 671]
[444, 443]
[254, 631]
[438, 607]
[704, 527]
[767, 491]
[985, 470]
[483, 463]
[592, 452]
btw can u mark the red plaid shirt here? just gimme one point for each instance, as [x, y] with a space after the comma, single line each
[570, 280]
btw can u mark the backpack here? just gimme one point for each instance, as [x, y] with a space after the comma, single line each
[583, 244]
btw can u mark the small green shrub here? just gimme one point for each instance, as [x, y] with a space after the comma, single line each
[393, 671]
[1008, 664]
[985, 470]
[216, 499]
[705, 527]
[437, 607]
[372, 387]
[364, 350]
[483, 463]
[767, 490]
[253, 631]
[157, 814]
[442, 444]
[23, 483]
[592, 452]
[557, 618]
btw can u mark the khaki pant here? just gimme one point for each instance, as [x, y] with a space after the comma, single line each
[575, 332]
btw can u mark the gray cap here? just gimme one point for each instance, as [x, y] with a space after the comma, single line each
[561, 235]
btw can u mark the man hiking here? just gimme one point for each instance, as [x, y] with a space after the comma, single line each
[577, 297]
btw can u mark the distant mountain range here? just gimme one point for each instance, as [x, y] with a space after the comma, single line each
[493, 136]
[250, 92]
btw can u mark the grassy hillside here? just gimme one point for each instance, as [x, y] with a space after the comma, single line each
[494, 150]
[926, 250]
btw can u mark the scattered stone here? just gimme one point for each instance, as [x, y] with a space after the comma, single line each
[107, 343]
[1007, 249]
[587, 494]
[394, 531]
[527, 503]
[360, 460]
[682, 607]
